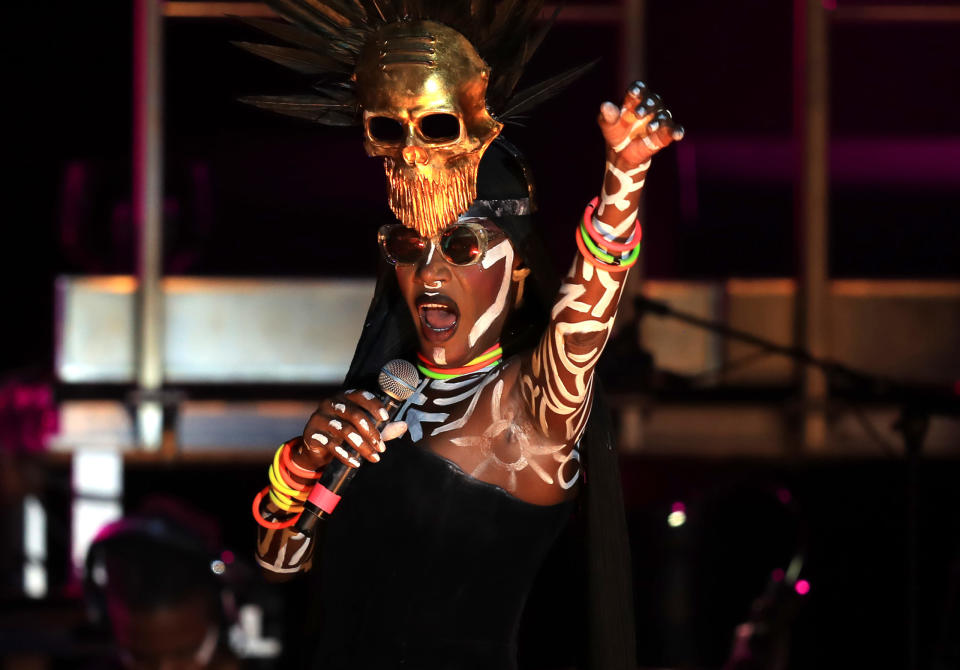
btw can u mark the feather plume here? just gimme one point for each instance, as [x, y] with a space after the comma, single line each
[325, 38]
[309, 107]
[530, 97]
[299, 60]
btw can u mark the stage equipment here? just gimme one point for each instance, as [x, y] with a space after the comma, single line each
[916, 404]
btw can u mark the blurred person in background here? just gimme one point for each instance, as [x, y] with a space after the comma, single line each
[152, 580]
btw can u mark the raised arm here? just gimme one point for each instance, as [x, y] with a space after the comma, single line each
[557, 379]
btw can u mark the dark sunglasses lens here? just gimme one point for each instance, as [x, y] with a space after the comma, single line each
[403, 245]
[461, 245]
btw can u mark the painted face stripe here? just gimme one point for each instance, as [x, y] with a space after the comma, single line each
[502, 251]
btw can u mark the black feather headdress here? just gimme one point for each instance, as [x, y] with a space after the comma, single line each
[324, 39]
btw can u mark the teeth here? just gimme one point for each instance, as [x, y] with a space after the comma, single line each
[433, 305]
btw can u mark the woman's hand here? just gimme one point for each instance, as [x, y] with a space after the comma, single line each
[638, 129]
[633, 133]
[345, 427]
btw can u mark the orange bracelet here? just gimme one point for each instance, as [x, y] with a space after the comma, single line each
[287, 460]
[258, 516]
[287, 478]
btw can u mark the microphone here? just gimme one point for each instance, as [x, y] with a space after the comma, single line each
[398, 381]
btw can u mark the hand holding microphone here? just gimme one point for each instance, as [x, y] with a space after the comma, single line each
[350, 426]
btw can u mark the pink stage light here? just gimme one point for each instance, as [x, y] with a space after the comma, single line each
[678, 507]
[802, 587]
[777, 574]
[784, 496]
[227, 556]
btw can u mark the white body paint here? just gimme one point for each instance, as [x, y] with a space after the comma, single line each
[500, 424]
[503, 251]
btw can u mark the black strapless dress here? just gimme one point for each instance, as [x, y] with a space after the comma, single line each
[425, 567]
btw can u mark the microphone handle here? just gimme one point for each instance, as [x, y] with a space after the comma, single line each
[326, 493]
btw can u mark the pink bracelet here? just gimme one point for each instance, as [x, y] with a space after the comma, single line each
[602, 241]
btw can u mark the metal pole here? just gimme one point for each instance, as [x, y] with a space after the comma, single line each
[811, 137]
[633, 66]
[148, 215]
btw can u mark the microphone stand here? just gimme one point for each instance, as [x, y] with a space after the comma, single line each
[916, 407]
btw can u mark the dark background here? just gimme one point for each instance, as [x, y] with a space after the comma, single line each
[249, 194]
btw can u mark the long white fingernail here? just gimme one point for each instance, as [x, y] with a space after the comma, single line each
[340, 407]
[375, 458]
[381, 446]
[367, 395]
[354, 462]
[384, 414]
[341, 452]
[320, 437]
[349, 391]
[393, 430]
[336, 425]
[364, 424]
[356, 439]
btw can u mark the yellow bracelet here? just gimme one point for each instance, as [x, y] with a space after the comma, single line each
[286, 505]
[280, 486]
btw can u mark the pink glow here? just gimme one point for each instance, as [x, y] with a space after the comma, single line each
[678, 507]
[227, 556]
[777, 574]
[783, 495]
[829, 5]
[802, 587]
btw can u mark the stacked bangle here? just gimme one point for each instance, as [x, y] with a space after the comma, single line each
[284, 490]
[602, 252]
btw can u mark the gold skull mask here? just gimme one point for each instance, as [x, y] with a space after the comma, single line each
[422, 88]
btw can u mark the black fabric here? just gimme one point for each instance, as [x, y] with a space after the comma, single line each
[426, 567]
[389, 333]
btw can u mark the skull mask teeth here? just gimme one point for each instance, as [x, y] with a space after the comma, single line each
[422, 87]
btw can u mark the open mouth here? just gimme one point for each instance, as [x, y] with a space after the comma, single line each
[438, 316]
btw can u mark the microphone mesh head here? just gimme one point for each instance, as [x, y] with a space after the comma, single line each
[399, 379]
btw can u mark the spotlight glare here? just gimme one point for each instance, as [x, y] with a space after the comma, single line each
[802, 587]
[677, 518]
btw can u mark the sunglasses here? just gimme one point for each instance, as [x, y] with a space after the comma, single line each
[462, 244]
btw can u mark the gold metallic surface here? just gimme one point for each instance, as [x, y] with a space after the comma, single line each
[407, 72]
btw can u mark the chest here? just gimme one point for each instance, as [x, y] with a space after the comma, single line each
[479, 423]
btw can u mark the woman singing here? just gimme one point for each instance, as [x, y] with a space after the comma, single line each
[427, 560]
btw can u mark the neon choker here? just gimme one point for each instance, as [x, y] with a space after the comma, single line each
[489, 358]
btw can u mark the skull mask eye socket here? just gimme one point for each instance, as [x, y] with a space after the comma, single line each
[384, 129]
[440, 127]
